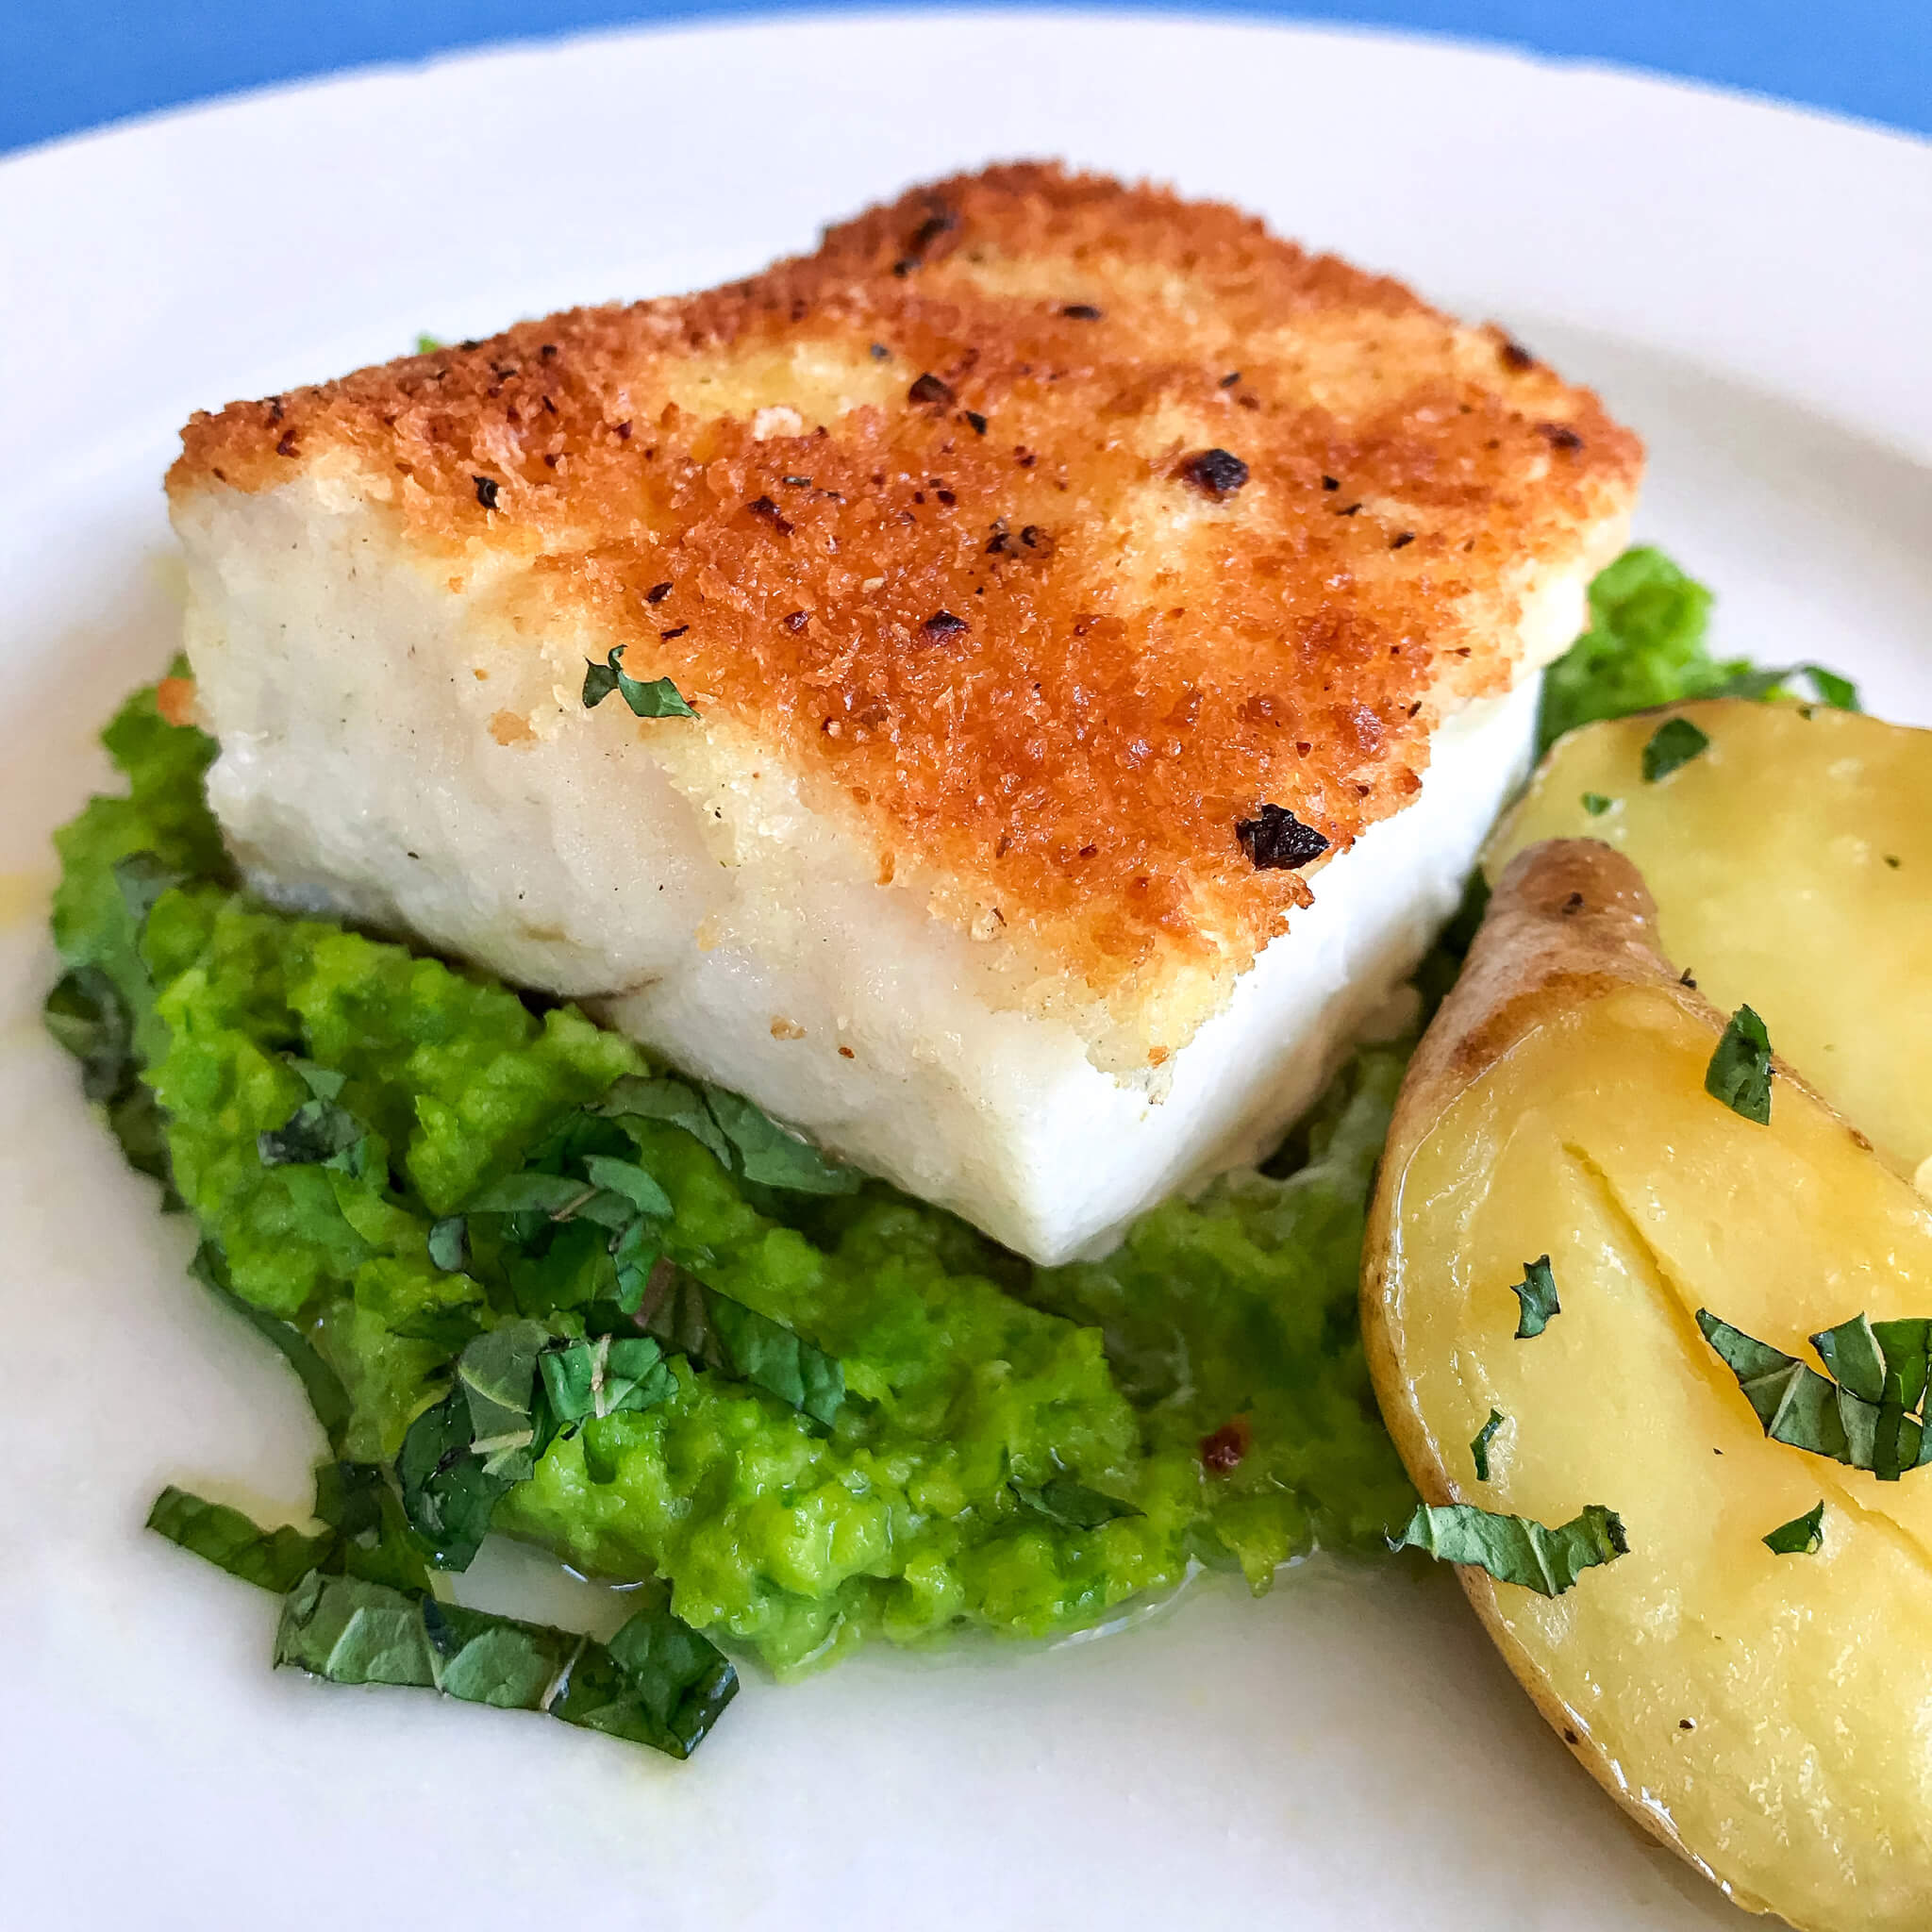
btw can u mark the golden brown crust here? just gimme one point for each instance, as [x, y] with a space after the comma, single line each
[971, 581]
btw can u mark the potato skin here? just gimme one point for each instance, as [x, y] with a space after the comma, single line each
[1569, 920]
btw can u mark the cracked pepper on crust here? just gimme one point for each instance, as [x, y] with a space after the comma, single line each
[925, 507]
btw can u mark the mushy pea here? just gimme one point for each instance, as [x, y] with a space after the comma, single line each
[1005, 1448]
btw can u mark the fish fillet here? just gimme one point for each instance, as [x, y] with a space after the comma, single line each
[1110, 631]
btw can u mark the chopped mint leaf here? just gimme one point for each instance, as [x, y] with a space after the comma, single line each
[666, 1100]
[1514, 1549]
[86, 1015]
[497, 1375]
[1838, 693]
[532, 1192]
[320, 1132]
[658, 1682]
[1672, 744]
[715, 1332]
[320, 1383]
[656, 697]
[1072, 1504]
[587, 1379]
[1597, 803]
[767, 1154]
[274, 1560]
[1797, 1405]
[1536, 1292]
[427, 345]
[1739, 1070]
[447, 1494]
[626, 1178]
[449, 1243]
[1802, 1536]
[1479, 1449]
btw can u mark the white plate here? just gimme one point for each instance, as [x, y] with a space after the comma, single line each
[1750, 285]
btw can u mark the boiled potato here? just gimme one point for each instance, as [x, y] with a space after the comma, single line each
[1769, 1716]
[1791, 866]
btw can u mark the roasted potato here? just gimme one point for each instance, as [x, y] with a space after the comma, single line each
[1792, 866]
[1768, 1715]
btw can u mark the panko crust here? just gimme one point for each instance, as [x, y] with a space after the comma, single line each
[925, 505]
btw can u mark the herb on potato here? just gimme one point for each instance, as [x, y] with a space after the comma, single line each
[1536, 1292]
[1739, 1070]
[1671, 745]
[1515, 1549]
[1479, 1448]
[1802, 1536]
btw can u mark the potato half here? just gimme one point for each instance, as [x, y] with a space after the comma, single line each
[1769, 1716]
[1791, 866]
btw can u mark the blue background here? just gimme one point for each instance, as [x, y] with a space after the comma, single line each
[71, 64]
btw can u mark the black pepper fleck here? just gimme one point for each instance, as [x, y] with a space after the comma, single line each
[1559, 436]
[1402, 540]
[1215, 473]
[677, 631]
[977, 421]
[286, 445]
[1081, 311]
[656, 594]
[1277, 841]
[1233, 376]
[929, 391]
[942, 623]
[880, 352]
[795, 621]
[764, 507]
[1331, 482]
[486, 490]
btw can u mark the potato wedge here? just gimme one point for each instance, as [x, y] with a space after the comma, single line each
[1792, 866]
[1769, 1716]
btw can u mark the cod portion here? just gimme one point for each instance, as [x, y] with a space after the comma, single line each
[1790, 859]
[1749, 1679]
[1040, 606]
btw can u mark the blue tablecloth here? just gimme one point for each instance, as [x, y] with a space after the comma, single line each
[71, 64]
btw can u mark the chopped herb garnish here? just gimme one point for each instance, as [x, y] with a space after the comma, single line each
[767, 1154]
[714, 1331]
[1277, 841]
[1479, 1449]
[1072, 1504]
[656, 697]
[327, 1395]
[275, 1559]
[427, 345]
[1869, 1417]
[1515, 1549]
[1739, 1070]
[321, 1132]
[1802, 1536]
[658, 1682]
[1838, 692]
[1536, 1292]
[1596, 804]
[449, 1243]
[1674, 744]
